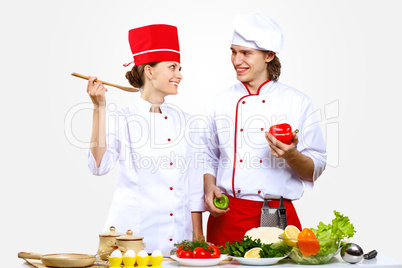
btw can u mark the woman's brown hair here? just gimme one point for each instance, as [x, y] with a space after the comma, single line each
[136, 76]
[274, 69]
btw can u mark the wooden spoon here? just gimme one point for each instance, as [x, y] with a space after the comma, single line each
[129, 89]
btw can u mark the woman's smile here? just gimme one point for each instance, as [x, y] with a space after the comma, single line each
[175, 83]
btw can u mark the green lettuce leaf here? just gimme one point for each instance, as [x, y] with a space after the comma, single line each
[340, 228]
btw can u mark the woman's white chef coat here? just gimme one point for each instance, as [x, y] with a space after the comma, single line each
[237, 153]
[158, 183]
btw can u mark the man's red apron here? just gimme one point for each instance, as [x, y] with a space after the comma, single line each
[243, 215]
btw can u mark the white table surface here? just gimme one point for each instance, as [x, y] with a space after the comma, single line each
[381, 261]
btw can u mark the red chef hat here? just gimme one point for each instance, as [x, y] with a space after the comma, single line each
[154, 43]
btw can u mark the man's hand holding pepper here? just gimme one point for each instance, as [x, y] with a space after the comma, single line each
[280, 149]
[211, 190]
[302, 165]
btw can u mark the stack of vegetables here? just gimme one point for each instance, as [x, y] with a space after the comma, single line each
[318, 245]
[308, 246]
[196, 249]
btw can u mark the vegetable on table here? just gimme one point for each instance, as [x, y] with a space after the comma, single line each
[221, 203]
[216, 253]
[186, 254]
[181, 247]
[308, 243]
[339, 229]
[329, 237]
[196, 249]
[239, 248]
[283, 133]
[200, 253]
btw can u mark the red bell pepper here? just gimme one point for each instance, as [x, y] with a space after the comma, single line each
[283, 133]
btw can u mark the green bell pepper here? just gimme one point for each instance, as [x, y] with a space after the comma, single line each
[221, 203]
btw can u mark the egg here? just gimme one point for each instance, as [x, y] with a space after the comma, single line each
[116, 253]
[142, 253]
[156, 253]
[130, 253]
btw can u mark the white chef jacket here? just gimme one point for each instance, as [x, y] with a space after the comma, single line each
[237, 153]
[158, 183]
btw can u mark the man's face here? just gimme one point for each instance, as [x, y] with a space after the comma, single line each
[250, 64]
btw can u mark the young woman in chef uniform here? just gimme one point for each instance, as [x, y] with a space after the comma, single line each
[159, 191]
[244, 161]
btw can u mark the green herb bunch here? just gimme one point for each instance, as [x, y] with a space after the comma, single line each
[191, 245]
[239, 248]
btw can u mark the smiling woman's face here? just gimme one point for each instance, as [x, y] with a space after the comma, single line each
[166, 77]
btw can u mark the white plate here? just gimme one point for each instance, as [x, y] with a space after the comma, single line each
[199, 262]
[258, 261]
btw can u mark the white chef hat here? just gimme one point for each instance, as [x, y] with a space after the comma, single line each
[257, 31]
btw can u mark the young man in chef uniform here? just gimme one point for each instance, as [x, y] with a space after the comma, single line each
[242, 159]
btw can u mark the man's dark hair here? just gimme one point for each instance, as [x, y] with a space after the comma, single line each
[274, 69]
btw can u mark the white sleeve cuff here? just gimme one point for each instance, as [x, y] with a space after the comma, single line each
[212, 171]
[105, 166]
[197, 206]
[319, 167]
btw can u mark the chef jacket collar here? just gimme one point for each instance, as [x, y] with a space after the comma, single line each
[263, 88]
[145, 105]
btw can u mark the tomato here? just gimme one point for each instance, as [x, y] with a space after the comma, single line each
[185, 254]
[200, 253]
[179, 248]
[308, 243]
[216, 253]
